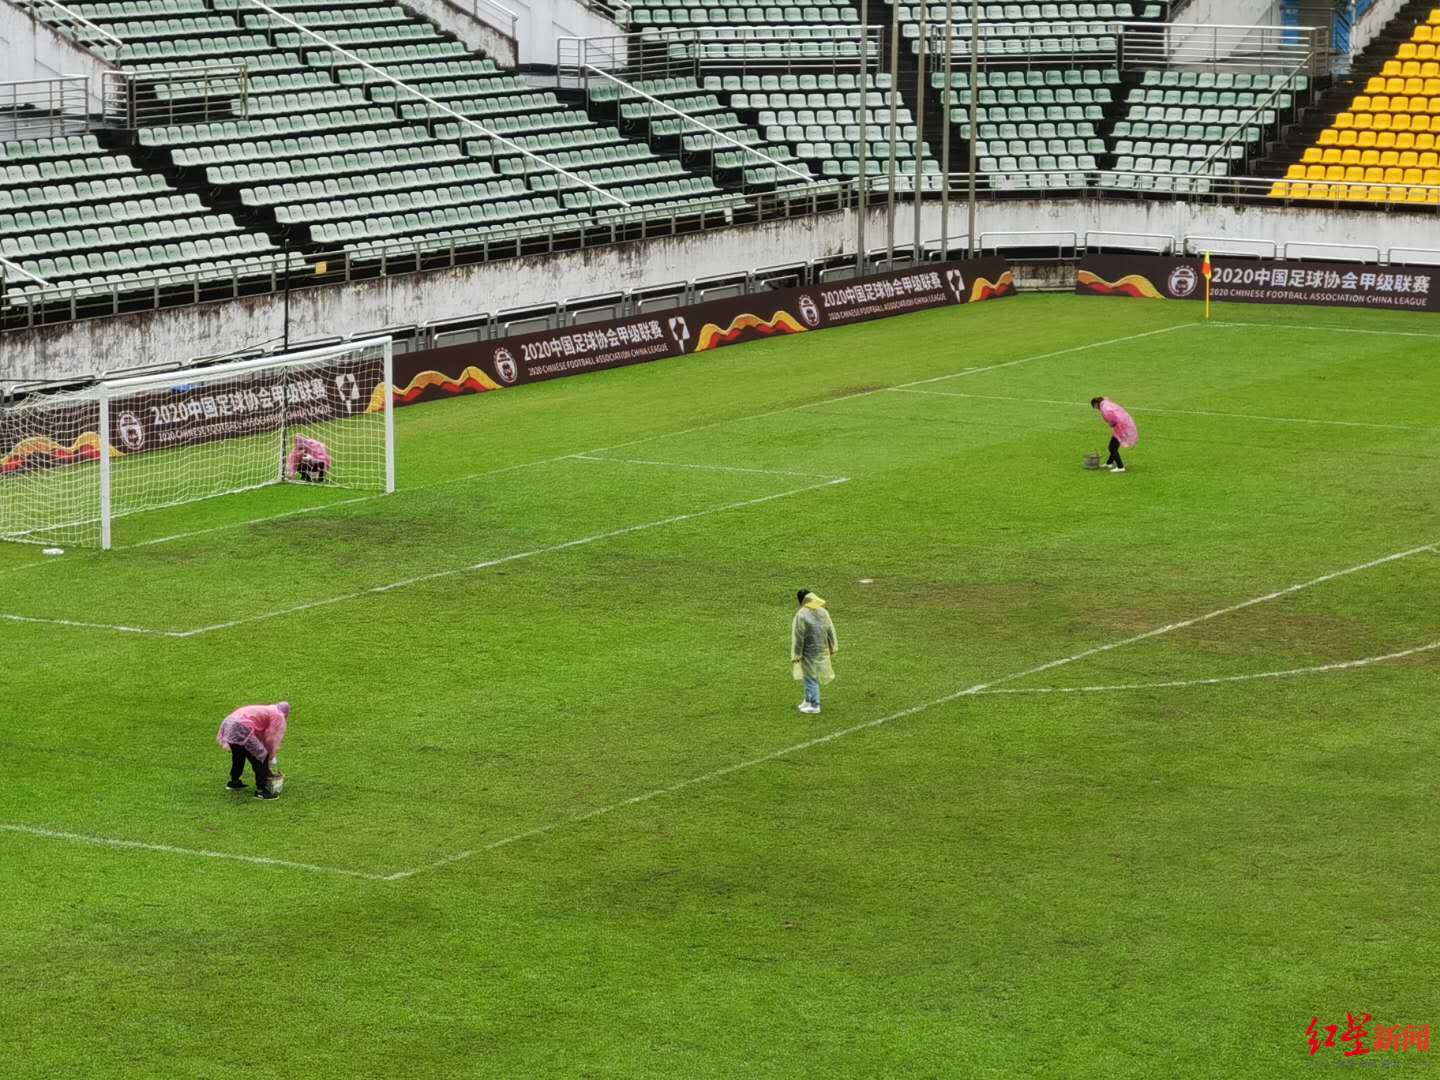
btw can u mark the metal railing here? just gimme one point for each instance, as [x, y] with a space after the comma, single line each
[1220, 47]
[71, 23]
[1268, 104]
[492, 13]
[10, 269]
[181, 95]
[34, 108]
[680, 52]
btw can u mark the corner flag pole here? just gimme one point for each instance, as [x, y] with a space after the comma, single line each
[1205, 269]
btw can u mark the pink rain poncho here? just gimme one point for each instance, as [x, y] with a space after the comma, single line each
[258, 728]
[307, 450]
[1120, 423]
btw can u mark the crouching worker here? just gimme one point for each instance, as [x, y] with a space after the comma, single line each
[310, 461]
[253, 733]
[813, 643]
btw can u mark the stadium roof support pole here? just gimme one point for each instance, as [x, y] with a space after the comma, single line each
[949, 42]
[894, 130]
[917, 182]
[974, 122]
[445, 109]
[862, 179]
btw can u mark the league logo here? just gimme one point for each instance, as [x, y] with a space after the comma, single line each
[505, 365]
[680, 331]
[956, 281]
[349, 389]
[1182, 281]
[809, 312]
[131, 431]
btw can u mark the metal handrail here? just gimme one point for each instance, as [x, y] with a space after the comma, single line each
[505, 13]
[445, 109]
[117, 93]
[1285, 251]
[6, 264]
[1219, 245]
[588, 67]
[1166, 248]
[54, 5]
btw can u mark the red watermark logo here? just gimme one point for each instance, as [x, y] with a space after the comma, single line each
[1388, 1038]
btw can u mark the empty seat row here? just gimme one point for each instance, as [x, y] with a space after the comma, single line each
[349, 186]
[106, 236]
[251, 150]
[453, 217]
[88, 216]
[144, 257]
[130, 186]
[399, 202]
[336, 165]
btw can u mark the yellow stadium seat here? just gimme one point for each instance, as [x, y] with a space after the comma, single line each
[1435, 17]
[1431, 88]
[1334, 173]
[1429, 70]
[1354, 173]
[1328, 137]
[1396, 194]
[1393, 121]
[1356, 193]
[1314, 155]
[1364, 121]
[1279, 190]
[1414, 176]
[1345, 120]
[1357, 138]
[1419, 123]
[1415, 195]
[1395, 85]
[1346, 157]
[1377, 194]
[1425, 141]
[1385, 140]
[1422, 33]
[1391, 68]
[1425, 51]
[1432, 177]
[1393, 176]
[1374, 175]
[1412, 86]
[1372, 157]
[1405, 52]
[1376, 85]
[1299, 191]
[1319, 191]
[1295, 172]
[1377, 103]
[1428, 160]
[1406, 159]
[1411, 69]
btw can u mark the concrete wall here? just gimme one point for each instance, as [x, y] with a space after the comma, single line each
[541, 23]
[480, 27]
[180, 334]
[31, 50]
[1369, 26]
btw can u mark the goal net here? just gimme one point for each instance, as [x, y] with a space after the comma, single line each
[72, 462]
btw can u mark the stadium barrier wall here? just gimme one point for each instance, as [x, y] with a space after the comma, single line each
[1261, 281]
[436, 374]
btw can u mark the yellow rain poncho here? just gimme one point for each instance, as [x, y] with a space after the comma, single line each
[813, 641]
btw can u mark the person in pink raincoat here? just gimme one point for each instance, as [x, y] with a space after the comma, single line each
[1122, 430]
[310, 460]
[253, 733]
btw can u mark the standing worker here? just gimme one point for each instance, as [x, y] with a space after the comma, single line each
[1122, 430]
[813, 643]
[253, 733]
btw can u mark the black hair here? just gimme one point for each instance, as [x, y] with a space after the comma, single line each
[1095, 402]
[800, 596]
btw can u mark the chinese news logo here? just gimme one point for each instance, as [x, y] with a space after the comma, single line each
[1388, 1038]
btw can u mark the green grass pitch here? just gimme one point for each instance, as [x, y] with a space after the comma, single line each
[558, 816]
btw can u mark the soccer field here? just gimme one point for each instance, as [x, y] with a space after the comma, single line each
[1122, 776]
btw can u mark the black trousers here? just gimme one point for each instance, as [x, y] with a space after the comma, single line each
[238, 756]
[1114, 458]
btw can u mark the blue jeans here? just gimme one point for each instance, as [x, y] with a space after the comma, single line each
[812, 690]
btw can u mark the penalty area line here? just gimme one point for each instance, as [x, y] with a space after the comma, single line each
[969, 691]
[1175, 684]
[171, 849]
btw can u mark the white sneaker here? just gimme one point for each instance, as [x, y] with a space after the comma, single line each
[1118, 469]
[804, 706]
[808, 708]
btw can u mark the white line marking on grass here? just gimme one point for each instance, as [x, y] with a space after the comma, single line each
[87, 625]
[487, 564]
[170, 849]
[969, 691]
[1174, 684]
[709, 468]
[1325, 329]
[1172, 412]
[1043, 356]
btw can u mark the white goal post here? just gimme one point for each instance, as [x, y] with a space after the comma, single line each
[73, 461]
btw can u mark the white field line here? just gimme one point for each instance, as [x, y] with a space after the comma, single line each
[170, 849]
[969, 691]
[1043, 356]
[708, 468]
[487, 564]
[7, 617]
[1322, 329]
[254, 521]
[1172, 412]
[1174, 684]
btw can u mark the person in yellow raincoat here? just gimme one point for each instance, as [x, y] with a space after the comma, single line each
[813, 643]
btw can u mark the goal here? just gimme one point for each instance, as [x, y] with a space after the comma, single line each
[73, 461]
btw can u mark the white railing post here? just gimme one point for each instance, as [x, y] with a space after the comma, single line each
[104, 438]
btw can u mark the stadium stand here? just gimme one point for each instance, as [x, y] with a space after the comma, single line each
[1382, 146]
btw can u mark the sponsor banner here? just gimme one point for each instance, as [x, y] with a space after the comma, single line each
[1260, 281]
[696, 328]
[183, 414]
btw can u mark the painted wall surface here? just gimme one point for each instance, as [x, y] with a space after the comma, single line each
[180, 334]
[479, 26]
[1372, 24]
[34, 51]
[539, 23]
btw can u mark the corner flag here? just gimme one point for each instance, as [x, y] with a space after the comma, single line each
[1205, 269]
